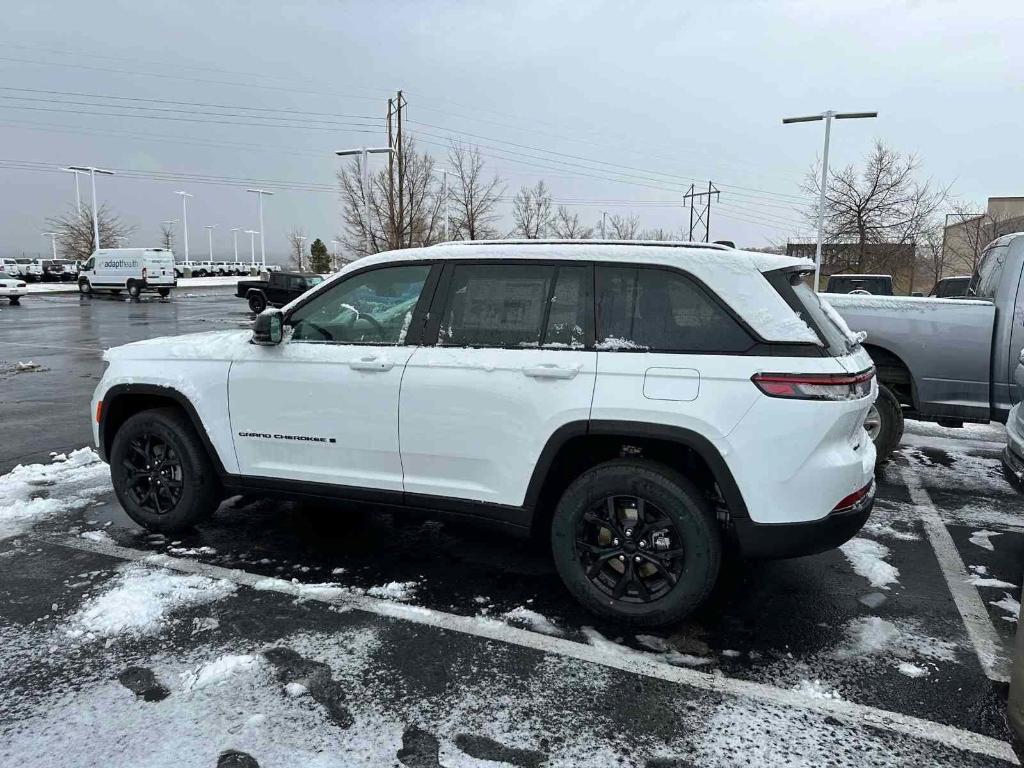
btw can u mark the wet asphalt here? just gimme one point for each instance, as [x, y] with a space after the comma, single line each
[776, 622]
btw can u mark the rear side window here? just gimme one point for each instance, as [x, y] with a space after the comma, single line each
[642, 308]
[985, 281]
[496, 305]
[568, 308]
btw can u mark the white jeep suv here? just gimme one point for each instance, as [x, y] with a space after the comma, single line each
[638, 404]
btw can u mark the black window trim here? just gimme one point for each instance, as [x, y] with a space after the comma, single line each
[414, 333]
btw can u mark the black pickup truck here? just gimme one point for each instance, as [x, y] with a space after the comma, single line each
[281, 288]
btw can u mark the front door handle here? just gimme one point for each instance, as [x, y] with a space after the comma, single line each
[550, 371]
[371, 363]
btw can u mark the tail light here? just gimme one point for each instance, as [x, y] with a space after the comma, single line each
[99, 411]
[816, 386]
[848, 502]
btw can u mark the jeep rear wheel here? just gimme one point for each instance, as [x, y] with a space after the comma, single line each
[161, 472]
[636, 542]
[257, 302]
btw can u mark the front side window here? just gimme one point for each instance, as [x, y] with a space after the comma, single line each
[496, 305]
[649, 309]
[88, 264]
[373, 307]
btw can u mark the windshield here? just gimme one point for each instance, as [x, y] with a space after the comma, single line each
[314, 280]
[822, 317]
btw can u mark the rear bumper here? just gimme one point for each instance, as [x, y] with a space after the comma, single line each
[776, 541]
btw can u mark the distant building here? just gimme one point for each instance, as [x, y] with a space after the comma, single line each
[967, 233]
[896, 259]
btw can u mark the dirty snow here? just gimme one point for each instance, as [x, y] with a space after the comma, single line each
[1011, 606]
[533, 620]
[100, 537]
[25, 491]
[141, 601]
[873, 636]
[867, 558]
[219, 671]
[817, 690]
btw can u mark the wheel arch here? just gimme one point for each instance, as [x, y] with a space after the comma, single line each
[122, 401]
[579, 445]
[894, 373]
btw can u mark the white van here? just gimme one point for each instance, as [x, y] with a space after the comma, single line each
[128, 269]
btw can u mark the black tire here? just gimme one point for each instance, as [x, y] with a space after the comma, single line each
[15, 300]
[257, 302]
[663, 490]
[890, 429]
[84, 288]
[134, 290]
[199, 492]
[164, 292]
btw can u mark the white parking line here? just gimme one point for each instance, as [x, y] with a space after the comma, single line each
[984, 638]
[856, 715]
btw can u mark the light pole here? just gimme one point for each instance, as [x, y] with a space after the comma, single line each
[263, 247]
[365, 184]
[53, 242]
[93, 170]
[184, 222]
[78, 191]
[827, 117]
[252, 245]
[209, 236]
[234, 234]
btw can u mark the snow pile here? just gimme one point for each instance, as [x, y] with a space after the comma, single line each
[868, 560]
[983, 539]
[981, 581]
[402, 591]
[26, 492]
[141, 600]
[816, 689]
[1011, 606]
[219, 671]
[29, 366]
[911, 670]
[669, 656]
[537, 622]
[100, 537]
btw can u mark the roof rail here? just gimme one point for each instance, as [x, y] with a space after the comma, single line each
[645, 243]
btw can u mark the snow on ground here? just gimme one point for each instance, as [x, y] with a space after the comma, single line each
[668, 656]
[402, 591]
[1011, 606]
[981, 581]
[523, 616]
[220, 671]
[983, 539]
[911, 670]
[26, 491]
[100, 537]
[959, 471]
[872, 636]
[867, 558]
[141, 601]
[817, 690]
[399, 591]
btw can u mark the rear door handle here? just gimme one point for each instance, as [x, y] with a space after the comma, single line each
[371, 363]
[550, 372]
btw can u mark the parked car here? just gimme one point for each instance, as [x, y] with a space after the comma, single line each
[128, 269]
[12, 288]
[951, 287]
[277, 290]
[44, 271]
[876, 285]
[11, 268]
[945, 360]
[636, 405]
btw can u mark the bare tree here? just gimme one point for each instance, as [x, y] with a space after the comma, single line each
[624, 227]
[167, 237]
[931, 252]
[473, 198]
[297, 252]
[968, 232]
[408, 220]
[75, 232]
[567, 226]
[880, 210]
[531, 212]
[657, 234]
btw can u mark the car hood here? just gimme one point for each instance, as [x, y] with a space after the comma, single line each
[213, 345]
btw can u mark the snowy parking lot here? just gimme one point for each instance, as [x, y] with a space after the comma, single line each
[277, 635]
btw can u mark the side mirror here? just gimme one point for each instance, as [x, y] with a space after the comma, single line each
[267, 328]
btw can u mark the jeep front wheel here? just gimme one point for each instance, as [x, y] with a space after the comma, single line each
[161, 472]
[636, 542]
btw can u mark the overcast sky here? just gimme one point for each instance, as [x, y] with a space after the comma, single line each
[617, 106]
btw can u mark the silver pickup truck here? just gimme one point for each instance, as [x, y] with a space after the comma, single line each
[945, 360]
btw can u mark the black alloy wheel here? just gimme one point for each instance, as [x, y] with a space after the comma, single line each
[154, 477]
[629, 549]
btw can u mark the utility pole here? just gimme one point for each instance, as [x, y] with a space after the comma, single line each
[363, 152]
[703, 215]
[93, 170]
[53, 242]
[827, 117]
[252, 245]
[209, 236]
[234, 234]
[78, 191]
[184, 222]
[263, 247]
[399, 105]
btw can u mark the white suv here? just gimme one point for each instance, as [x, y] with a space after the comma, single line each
[639, 404]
